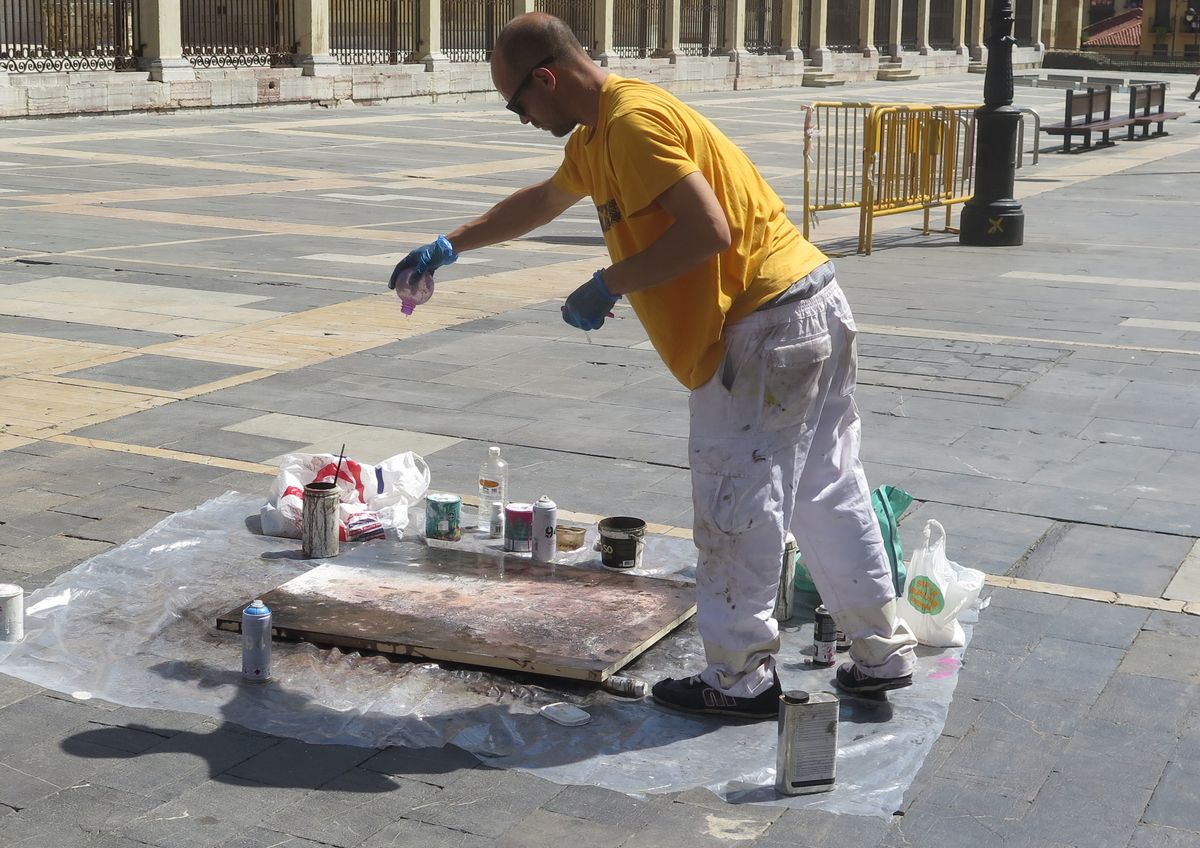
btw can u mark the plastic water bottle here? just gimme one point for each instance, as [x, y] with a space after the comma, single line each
[493, 493]
[412, 288]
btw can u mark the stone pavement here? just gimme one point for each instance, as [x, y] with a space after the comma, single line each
[189, 296]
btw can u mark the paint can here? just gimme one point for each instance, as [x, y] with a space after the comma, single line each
[256, 643]
[12, 612]
[843, 641]
[807, 755]
[518, 527]
[824, 637]
[319, 520]
[443, 517]
[545, 524]
[630, 687]
[787, 581]
[622, 540]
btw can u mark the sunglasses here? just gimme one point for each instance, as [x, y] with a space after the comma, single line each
[512, 105]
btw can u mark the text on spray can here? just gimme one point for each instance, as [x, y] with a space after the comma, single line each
[256, 643]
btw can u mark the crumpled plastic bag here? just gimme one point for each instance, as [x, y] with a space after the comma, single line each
[374, 498]
[937, 591]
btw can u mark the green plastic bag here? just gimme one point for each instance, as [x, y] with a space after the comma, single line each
[889, 503]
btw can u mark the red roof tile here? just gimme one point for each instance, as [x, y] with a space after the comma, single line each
[1123, 30]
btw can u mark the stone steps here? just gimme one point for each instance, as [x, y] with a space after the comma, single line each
[822, 79]
[896, 74]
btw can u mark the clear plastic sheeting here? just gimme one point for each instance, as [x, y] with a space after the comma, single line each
[134, 626]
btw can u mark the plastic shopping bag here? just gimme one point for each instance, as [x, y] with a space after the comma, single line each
[374, 498]
[937, 591]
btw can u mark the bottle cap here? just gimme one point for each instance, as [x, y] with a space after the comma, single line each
[795, 696]
[407, 305]
[493, 451]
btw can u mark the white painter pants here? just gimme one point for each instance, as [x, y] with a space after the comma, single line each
[774, 447]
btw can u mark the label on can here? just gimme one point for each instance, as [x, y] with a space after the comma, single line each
[443, 517]
[824, 637]
[518, 527]
[545, 525]
[807, 755]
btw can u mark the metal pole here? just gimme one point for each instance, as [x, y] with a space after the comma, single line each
[993, 217]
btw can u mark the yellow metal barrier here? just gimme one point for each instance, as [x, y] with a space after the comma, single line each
[886, 160]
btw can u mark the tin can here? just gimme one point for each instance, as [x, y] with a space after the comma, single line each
[630, 687]
[545, 526]
[518, 527]
[787, 581]
[443, 517]
[843, 641]
[824, 637]
[319, 520]
[807, 755]
[256, 643]
[12, 612]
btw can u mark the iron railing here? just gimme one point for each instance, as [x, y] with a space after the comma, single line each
[238, 33]
[764, 26]
[374, 32]
[579, 15]
[883, 24]
[68, 35]
[470, 27]
[702, 27]
[909, 38]
[637, 27]
[841, 33]
[941, 24]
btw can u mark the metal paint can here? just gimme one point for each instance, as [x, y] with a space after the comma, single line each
[518, 527]
[824, 637]
[787, 581]
[443, 517]
[807, 755]
[12, 612]
[545, 527]
[319, 520]
[630, 687]
[256, 643]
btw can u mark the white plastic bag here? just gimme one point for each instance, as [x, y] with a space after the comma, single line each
[936, 591]
[373, 497]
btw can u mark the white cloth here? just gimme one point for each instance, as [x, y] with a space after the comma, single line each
[774, 447]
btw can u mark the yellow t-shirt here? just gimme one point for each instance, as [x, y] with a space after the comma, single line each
[644, 142]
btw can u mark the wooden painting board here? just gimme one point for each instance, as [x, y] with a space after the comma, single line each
[479, 609]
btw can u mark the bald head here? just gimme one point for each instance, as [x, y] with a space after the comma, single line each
[529, 39]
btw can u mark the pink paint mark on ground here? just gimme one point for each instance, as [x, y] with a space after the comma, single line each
[946, 667]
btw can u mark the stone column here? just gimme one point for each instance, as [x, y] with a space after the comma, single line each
[1070, 24]
[923, 27]
[735, 28]
[1035, 26]
[602, 29]
[312, 31]
[791, 31]
[960, 27]
[162, 42]
[818, 25]
[429, 50]
[668, 39]
[866, 27]
[1049, 35]
[896, 26]
[975, 36]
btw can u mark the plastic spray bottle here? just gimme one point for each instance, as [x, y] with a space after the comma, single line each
[412, 288]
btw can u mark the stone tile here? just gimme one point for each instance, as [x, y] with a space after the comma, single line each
[60, 818]
[259, 837]
[436, 766]
[1156, 836]
[1100, 810]
[605, 806]
[1136, 755]
[543, 827]
[1107, 558]
[1163, 655]
[407, 832]
[167, 373]
[300, 763]
[680, 825]
[486, 802]
[818, 829]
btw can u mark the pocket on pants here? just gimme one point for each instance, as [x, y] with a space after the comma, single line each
[793, 380]
[731, 493]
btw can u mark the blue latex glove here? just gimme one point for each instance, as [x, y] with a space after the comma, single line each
[426, 259]
[589, 305]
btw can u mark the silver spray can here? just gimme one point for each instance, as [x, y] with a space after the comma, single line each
[787, 581]
[807, 754]
[824, 638]
[12, 612]
[545, 526]
[256, 643]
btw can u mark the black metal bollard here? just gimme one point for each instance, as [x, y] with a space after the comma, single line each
[993, 217]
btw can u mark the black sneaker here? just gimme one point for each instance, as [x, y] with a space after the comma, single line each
[693, 695]
[853, 681]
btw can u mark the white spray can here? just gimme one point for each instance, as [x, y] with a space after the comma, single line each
[12, 613]
[256, 643]
[545, 530]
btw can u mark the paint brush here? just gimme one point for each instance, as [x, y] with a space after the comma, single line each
[337, 474]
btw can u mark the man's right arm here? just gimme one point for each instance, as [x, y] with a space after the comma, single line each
[516, 215]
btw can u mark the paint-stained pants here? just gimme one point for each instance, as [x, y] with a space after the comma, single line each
[774, 447]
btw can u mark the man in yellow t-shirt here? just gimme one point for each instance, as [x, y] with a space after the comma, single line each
[748, 316]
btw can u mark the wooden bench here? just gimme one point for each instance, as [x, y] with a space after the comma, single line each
[1088, 112]
[1147, 105]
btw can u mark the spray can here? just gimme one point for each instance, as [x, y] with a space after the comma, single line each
[807, 755]
[630, 687]
[256, 643]
[824, 637]
[545, 527]
[518, 527]
[12, 612]
[787, 581]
